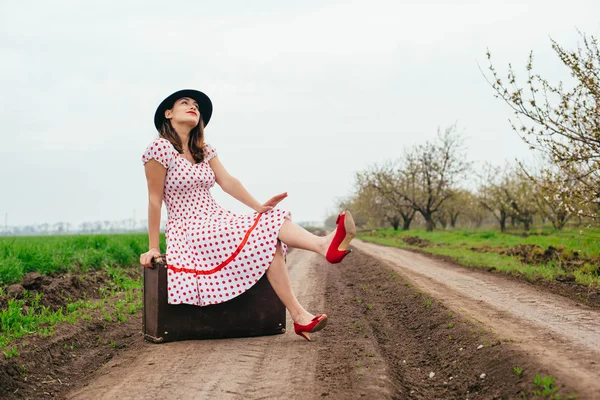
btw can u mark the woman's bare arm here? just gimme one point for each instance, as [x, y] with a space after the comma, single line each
[155, 175]
[231, 185]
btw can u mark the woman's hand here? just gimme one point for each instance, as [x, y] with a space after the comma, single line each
[271, 203]
[146, 258]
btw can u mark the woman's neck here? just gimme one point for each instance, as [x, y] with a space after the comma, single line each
[183, 131]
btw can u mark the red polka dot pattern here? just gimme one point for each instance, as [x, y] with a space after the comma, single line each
[213, 254]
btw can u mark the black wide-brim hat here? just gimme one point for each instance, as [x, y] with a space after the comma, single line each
[204, 105]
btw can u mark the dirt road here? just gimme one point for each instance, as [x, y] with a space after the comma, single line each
[559, 333]
[271, 367]
[401, 326]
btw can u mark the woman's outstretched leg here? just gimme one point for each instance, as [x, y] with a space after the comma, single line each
[296, 236]
[278, 277]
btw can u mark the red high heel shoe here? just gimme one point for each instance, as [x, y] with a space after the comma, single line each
[344, 233]
[319, 322]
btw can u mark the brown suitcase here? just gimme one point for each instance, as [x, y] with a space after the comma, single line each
[256, 312]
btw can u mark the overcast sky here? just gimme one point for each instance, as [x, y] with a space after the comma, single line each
[305, 94]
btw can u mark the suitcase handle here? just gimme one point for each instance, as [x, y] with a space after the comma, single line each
[158, 261]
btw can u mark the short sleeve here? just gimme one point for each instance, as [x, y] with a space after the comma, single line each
[209, 151]
[161, 150]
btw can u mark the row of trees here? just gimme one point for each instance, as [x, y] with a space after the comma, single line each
[427, 182]
[62, 228]
[122, 226]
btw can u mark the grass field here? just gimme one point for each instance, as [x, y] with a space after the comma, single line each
[543, 254]
[48, 254]
[121, 296]
[111, 256]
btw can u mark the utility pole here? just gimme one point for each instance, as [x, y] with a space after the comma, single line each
[6, 223]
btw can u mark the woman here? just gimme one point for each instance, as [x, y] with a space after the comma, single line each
[213, 254]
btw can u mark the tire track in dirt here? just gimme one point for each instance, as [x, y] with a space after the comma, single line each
[386, 334]
[556, 332]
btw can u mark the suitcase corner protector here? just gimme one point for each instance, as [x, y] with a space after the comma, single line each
[153, 339]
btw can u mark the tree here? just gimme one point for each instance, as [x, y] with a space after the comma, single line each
[493, 186]
[521, 196]
[562, 123]
[383, 210]
[473, 213]
[458, 204]
[376, 194]
[58, 227]
[97, 226]
[44, 228]
[361, 218]
[438, 166]
[550, 202]
[424, 178]
[85, 227]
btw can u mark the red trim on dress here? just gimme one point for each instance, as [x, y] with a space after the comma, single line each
[224, 263]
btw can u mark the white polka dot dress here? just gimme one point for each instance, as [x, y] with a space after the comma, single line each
[213, 254]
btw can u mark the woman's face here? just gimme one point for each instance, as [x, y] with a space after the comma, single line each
[185, 111]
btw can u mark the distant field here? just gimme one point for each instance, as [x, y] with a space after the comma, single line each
[48, 254]
[543, 254]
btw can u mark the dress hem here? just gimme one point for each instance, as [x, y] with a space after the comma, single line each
[260, 273]
[224, 263]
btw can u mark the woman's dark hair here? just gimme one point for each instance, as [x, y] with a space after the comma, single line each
[195, 141]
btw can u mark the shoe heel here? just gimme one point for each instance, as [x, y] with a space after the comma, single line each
[345, 254]
[338, 256]
[319, 322]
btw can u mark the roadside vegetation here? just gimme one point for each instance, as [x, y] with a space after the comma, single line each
[567, 255]
[68, 253]
[47, 280]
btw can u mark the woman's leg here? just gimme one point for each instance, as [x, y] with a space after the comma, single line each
[278, 277]
[296, 236]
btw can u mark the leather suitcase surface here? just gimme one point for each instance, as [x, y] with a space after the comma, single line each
[256, 312]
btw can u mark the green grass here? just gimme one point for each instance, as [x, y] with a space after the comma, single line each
[17, 321]
[12, 352]
[546, 388]
[46, 254]
[458, 244]
[76, 253]
[587, 242]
